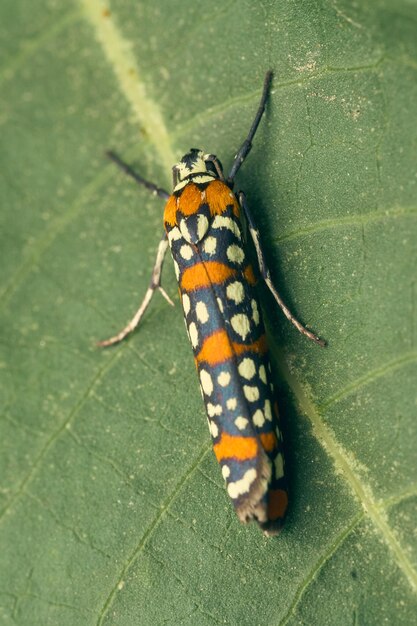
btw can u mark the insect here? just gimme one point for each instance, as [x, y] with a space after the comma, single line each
[204, 230]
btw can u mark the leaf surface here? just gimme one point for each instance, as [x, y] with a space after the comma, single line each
[112, 507]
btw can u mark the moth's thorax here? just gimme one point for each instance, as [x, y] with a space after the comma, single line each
[193, 207]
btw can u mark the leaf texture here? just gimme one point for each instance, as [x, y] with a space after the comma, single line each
[112, 507]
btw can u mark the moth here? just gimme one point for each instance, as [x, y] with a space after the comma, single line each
[204, 230]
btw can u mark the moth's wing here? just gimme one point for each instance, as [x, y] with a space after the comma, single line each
[256, 414]
[250, 368]
[224, 324]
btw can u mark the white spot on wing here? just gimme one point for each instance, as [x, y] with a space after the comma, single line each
[206, 382]
[247, 368]
[251, 393]
[213, 429]
[242, 486]
[223, 379]
[258, 418]
[202, 226]
[209, 245]
[177, 270]
[174, 234]
[262, 374]
[201, 312]
[268, 410]
[240, 324]
[255, 312]
[192, 329]
[235, 254]
[220, 221]
[184, 230]
[220, 305]
[231, 404]
[235, 291]
[186, 252]
[241, 422]
[226, 471]
[186, 304]
[214, 409]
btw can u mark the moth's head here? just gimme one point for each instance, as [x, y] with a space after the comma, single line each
[197, 166]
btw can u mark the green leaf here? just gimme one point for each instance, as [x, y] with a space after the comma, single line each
[113, 509]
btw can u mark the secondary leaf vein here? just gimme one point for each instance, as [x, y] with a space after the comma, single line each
[369, 377]
[348, 220]
[151, 529]
[342, 463]
[332, 548]
[55, 435]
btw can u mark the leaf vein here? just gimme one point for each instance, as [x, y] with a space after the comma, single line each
[49, 236]
[324, 558]
[119, 54]
[369, 377]
[349, 220]
[340, 458]
[57, 433]
[399, 498]
[151, 529]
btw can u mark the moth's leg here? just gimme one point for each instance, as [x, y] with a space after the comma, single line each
[246, 146]
[153, 286]
[266, 275]
[157, 191]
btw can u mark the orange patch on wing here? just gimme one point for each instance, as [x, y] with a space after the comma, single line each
[205, 274]
[249, 275]
[268, 440]
[260, 346]
[219, 197]
[190, 199]
[170, 211]
[240, 448]
[277, 503]
[216, 348]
